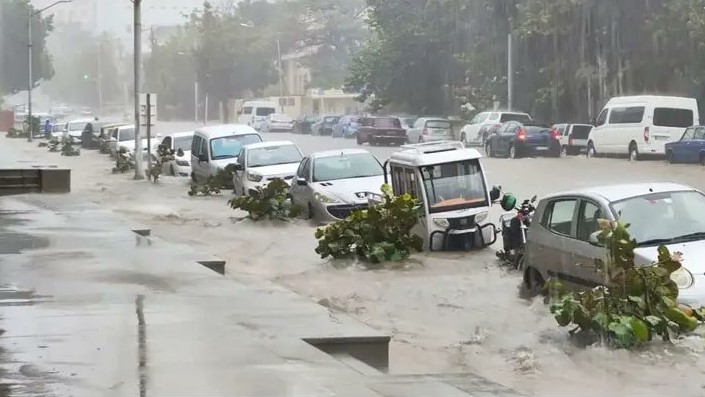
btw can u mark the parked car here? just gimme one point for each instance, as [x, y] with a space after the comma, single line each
[277, 122]
[407, 121]
[180, 143]
[214, 148]
[330, 185]
[573, 138]
[123, 139]
[253, 113]
[689, 149]
[476, 131]
[379, 130]
[325, 125]
[90, 137]
[260, 163]
[641, 125]
[429, 129]
[514, 140]
[74, 128]
[347, 127]
[303, 124]
[106, 132]
[562, 240]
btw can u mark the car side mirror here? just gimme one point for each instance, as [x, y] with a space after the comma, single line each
[301, 181]
[495, 192]
[203, 158]
[238, 167]
[180, 152]
[594, 238]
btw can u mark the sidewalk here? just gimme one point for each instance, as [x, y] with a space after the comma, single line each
[91, 308]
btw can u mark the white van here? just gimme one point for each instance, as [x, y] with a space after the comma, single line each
[641, 125]
[214, 148]
[253, 113]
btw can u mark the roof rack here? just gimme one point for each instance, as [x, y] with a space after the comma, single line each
[434, 147]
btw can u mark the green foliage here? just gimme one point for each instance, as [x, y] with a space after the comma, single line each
[635, 304]
[68, 148]
[16, 133]
[380, 233]
[164, 155]
[54, 144]
[13, 51]
[270, 202]
[213, 184]
[124, 162]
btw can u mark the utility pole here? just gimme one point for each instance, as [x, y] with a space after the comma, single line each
[281, 75]
[100, 79]
[139, 174]
[510, 73]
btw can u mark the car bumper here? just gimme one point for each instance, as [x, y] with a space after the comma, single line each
[251, 187]
[388, 138]
[182, 170]
[335, 211]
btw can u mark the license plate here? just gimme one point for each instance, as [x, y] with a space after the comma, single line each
[541, 147]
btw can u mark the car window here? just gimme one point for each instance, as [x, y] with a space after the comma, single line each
[203, 151]
[127, 134]
[247, 110]
[559, 216]
[493, 117]
[265, 111]
[602, 118]
[590, 213]
[520, 117]
[300, 170]
[346, 166]
[167, 142]
[479, 118]
[699, 133]
[229, 146]
[669, 117]
[688, 134]
[241, 157]
[196, 146]
[438, 124]
[386, 122]
[627, 115]
[307, 169]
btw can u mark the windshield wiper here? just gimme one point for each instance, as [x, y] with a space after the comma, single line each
[679, 239]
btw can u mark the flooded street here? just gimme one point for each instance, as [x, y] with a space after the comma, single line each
[446, 312]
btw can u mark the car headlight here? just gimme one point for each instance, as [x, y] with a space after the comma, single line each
[442, 223]
[320, 197]
[480, 217]
[182, 163]
[254, 177]
[683, 278]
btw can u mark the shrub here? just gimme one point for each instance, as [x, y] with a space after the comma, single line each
[68, 149]
[124, 162]
[164, 155]
[268, 203]
[380, 233]
[54, 144]
[213, 184]
[635, 304]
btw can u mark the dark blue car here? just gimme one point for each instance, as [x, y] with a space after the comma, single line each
[690, 148]
[514, 139]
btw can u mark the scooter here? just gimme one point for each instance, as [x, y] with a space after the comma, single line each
[515, 227]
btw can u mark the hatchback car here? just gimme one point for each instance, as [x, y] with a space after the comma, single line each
[260, 163]
[330, 185]
[180, 143]
[689, 149]
[277, 122]
[429, 129]
[562, 240]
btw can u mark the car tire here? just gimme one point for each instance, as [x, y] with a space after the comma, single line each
[309, 212]
[512, 152]
[633, 152]
[359, 140]
[171, 169]
[533, 282]
[669, 157]
[373, 141]
[563, 152]
[590, 152]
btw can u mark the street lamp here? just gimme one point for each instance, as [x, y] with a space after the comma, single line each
[30, 80]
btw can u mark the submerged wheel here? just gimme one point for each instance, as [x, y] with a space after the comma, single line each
[669, 157]
[633, 152]
[512, 152]
[533, 281]
[590, 152]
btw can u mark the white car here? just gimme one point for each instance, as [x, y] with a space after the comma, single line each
[123, 137]
[253, 113]
[277, 122]
[475, 132]
[74, 128]
[260, 163]
[180, 143]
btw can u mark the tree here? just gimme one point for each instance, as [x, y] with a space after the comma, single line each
[13, 51]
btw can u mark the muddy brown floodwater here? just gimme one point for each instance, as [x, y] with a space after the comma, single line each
[446, 312]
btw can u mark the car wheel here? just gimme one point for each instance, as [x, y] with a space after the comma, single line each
[669, 157]
[512, 153]
[590, 150]
[488, 150]
[171, 169]
[309, 212]
[633, 152]
[533, 282]
[563, 152]
[359, 140]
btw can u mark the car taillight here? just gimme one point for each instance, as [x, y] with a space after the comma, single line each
[555, 134]
[521, 135]
[425, 131]
[646, 134]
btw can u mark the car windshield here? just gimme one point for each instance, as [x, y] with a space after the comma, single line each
[128, 134]
[387, 122]
[183, 142]
[273, 155]
[281, 117]
[438, 124]
[663, 218]
[78, 126]
[229, 147]
[454, 186]
[346, 166]
[265, 111]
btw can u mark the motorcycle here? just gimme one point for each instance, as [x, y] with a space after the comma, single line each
[514, 229]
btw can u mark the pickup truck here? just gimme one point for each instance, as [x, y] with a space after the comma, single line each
[514, 139]
[380, 129]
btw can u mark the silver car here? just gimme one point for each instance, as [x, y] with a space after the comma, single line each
[330, 185]
[562, 241]
[429, 129]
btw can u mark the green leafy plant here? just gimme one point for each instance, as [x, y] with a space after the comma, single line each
[54, 144]
[124, 162]
[377, 234]
[68, 149]
[635, 304]
[213, 184]
[270, 202]
[16, 133]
